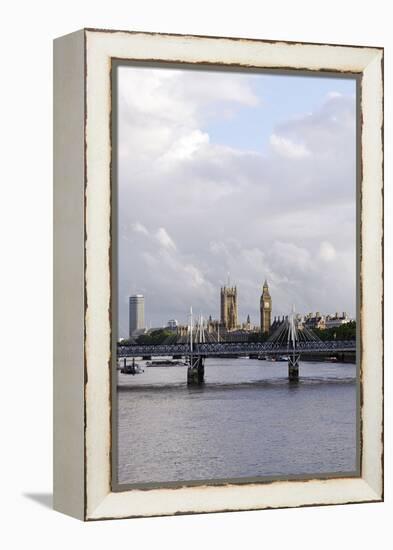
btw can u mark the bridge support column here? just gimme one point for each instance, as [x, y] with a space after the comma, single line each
[293, 368]
[196, 371]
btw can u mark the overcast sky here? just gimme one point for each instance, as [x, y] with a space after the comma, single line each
[235, 172]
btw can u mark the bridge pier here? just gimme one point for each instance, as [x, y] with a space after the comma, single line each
[196, 371]
[293, 368]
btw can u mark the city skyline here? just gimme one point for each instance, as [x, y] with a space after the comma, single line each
[238, 322]
[248, 173]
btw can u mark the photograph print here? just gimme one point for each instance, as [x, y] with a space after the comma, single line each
[235, 234]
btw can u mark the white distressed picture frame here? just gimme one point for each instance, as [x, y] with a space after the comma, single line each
[82, 247]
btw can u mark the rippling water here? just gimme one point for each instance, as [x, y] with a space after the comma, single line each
[246, 421]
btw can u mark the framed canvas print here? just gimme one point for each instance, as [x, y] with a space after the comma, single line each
[218, 274]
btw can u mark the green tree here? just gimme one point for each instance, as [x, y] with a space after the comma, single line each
[343, 332]
[155, 337]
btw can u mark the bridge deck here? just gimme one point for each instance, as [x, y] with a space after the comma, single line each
[208, 349]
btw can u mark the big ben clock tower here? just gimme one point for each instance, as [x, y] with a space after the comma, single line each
[266, 309]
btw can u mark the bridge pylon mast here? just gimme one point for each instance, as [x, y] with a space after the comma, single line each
[196, 368]
[293, 354]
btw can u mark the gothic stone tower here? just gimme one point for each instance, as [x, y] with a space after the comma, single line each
[229, 307]
[266, 309]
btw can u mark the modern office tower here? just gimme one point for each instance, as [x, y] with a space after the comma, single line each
[136, 313]
[266, 309]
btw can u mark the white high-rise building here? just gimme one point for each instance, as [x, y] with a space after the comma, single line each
[136, 313]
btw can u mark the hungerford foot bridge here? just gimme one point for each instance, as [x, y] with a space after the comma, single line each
[288, 340]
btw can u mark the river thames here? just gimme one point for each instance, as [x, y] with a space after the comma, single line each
[246, 421]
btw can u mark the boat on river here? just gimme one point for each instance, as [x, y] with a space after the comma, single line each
[132, 368]
[166, 363]
[282, 359]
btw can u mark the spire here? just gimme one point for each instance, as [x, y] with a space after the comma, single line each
[265, 285]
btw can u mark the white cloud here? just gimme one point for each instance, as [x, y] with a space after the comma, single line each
[195, 276]
[162, 110]
[196, 210]
[287, 148]
[164, 239]
[139, 228]
[292, 258]
[186, 146]
[333, 95]
[327, 252]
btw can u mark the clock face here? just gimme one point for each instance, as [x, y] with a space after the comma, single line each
[267, 304]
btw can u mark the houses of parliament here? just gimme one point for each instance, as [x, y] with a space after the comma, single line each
[229, 320]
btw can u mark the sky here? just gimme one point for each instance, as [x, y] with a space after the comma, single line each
[247, 173]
